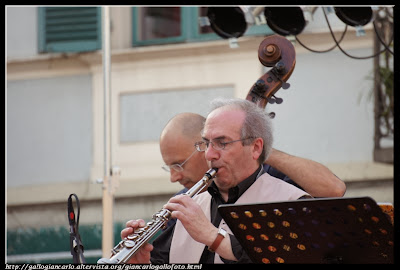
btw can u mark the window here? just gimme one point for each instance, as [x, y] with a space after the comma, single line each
[69, 29]
[155, 23]
[161, 25]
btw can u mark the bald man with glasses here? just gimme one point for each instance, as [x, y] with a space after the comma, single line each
[183, 161]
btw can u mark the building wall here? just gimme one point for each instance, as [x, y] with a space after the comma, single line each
[325, 116]
[22, 32]
[60, 106]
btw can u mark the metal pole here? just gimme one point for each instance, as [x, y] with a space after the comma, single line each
[108, 199]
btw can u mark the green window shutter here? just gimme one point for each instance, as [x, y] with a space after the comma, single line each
[69, 29]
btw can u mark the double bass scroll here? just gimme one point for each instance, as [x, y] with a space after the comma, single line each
[277, 52]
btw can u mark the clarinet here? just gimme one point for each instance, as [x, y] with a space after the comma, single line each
[125, 249]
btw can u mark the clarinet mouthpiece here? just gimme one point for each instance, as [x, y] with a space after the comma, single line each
[211, 173]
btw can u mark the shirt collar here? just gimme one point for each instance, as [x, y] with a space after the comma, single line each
[235, 192]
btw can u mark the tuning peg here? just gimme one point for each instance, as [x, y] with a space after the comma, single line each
[271, 100]
[285, 85]
[272, 115]
[278, 100]
[274, 99]
[260, 84]
[260, 87]
[280, 67]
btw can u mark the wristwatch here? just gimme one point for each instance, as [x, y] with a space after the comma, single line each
[220, 236]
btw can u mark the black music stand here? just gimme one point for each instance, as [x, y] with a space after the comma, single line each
[340, 230]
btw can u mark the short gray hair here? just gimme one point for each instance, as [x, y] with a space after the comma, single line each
[257, 123]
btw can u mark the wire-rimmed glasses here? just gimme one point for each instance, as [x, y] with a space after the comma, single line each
[217, 144]
[179, 167]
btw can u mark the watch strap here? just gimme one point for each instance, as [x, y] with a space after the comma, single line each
[220, 236]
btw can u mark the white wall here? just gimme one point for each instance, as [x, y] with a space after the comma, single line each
[325, 114]
[22, 31]
[49, 130]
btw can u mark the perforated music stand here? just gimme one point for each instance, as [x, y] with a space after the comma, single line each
[340, 230]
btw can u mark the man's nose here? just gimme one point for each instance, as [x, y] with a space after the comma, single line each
[211, 153]
[175, 176]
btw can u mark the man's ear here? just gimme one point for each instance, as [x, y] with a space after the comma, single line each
[258, 146]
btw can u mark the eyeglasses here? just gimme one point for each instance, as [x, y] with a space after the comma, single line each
[179, 167]
[217, 144]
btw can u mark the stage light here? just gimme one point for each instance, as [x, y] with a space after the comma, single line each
[285, 20]
[232, 22]
[354, 16]
[229, 22]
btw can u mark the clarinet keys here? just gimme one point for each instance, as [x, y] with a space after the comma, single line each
[129, 243]
[132, 237]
